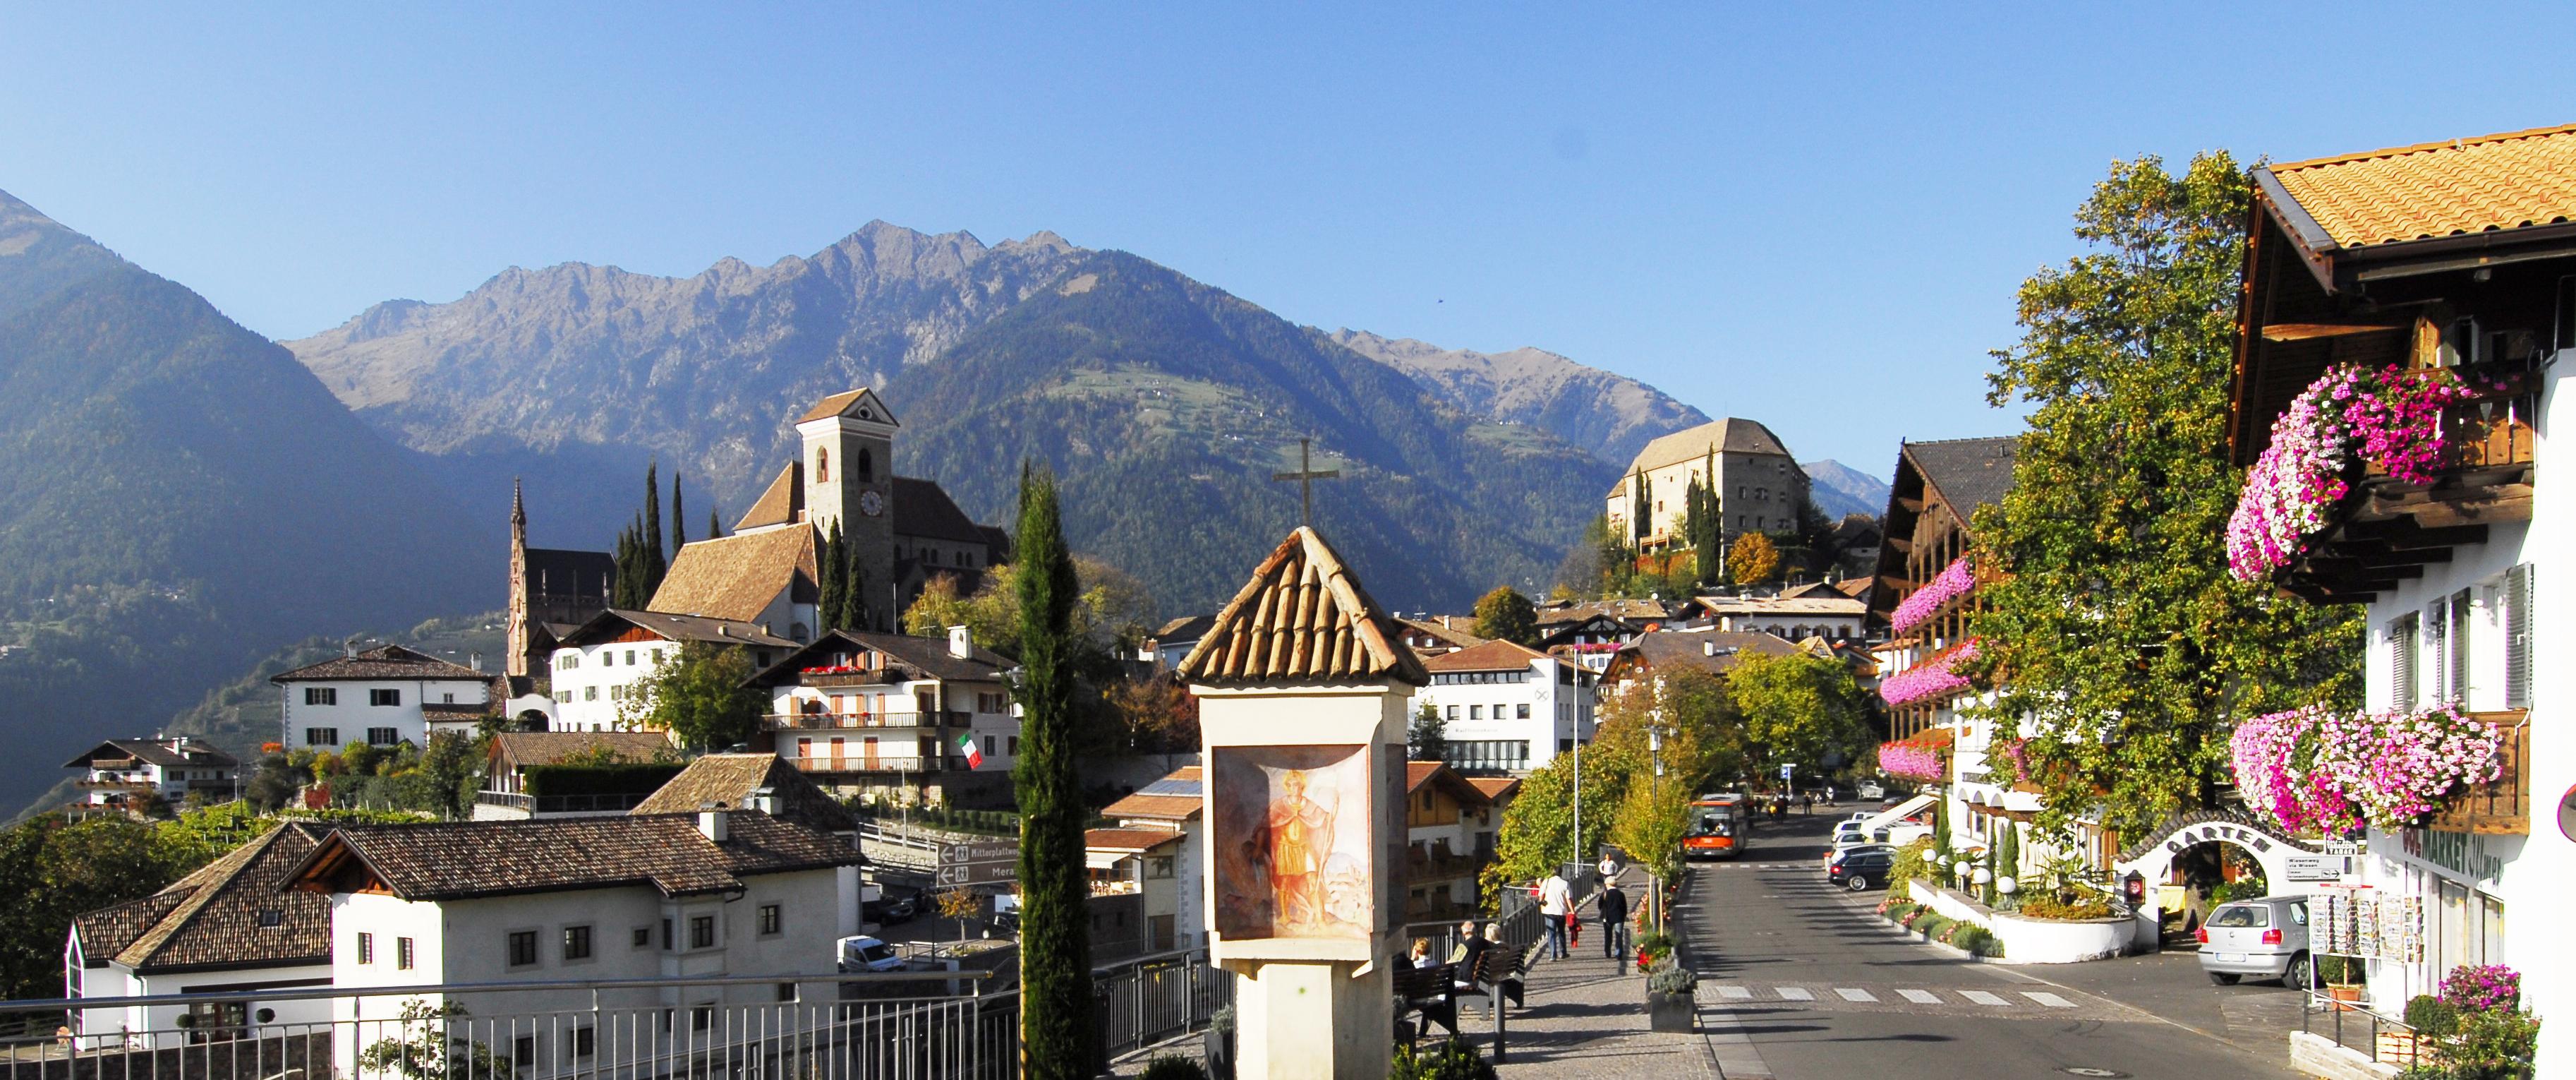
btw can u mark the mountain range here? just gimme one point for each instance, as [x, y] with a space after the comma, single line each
[1838, 489]
[177, 497]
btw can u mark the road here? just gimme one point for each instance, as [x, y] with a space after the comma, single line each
[1801, 981]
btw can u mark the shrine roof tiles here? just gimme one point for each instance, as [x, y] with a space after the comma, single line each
[1302, 618]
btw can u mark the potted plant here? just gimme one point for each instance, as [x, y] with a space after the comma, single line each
[1652, 946]
[2429, 1020]
[1672, 1000]
[2343, 978]
[1218, 1043]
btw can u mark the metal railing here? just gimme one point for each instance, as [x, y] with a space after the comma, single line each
[1153, 998]
[2356, 1027]
[617, 803]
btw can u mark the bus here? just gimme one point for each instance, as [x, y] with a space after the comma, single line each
[1720, 827]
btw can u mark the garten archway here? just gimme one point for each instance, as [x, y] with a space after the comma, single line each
[2153, 858]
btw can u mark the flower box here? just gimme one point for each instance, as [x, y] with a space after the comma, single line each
[1676, 1013]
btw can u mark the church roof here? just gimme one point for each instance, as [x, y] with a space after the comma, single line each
[558, 572]
[1732, 435]
[783, 503]
[735, 577]
[841, 403]
[922, 508]
[1302, 618]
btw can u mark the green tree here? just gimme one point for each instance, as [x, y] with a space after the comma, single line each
[450, 768]
[715, 524]
[1056, 1037]
[1703, 524]
[2129, 647]
[1800, 708]
[1429, 738]
[1754, 559]
[855, 613]
[699, 696]
[422, 1046]
[828, 610]
[650, 536]
[1505, 615]
[679, 517]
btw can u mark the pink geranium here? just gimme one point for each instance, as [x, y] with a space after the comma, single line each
[2319, 769]
[1909, 760]
[1953, 582]
[2390, 418]
[1930, 678]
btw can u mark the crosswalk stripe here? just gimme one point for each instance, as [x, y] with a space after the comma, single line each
[1793, 993]
[1735, 993]
[1982, 998]
[2045, 998]
[1921, 997]
[1855, 995]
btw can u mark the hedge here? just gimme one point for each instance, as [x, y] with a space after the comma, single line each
[633, 778]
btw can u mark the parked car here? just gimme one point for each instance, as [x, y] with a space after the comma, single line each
[1871, 791]
[2262, 938]
[863, 953]
[1859, 868]
[893, 907]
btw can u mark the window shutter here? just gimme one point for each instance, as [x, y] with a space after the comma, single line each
[2434, 679]
[2402, 661]
[2517, 637]
[2458, 665]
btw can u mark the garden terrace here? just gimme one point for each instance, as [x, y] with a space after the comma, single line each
[2503, 805]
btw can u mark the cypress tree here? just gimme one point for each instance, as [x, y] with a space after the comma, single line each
[715, 525]
[679, 518]
[1057, 1041]
[651, 530]
[854, 590]
[621, 593]
[828, 612]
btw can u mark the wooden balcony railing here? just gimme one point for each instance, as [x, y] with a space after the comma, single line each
[2502, 806]
[836, 721]
[878, 763]
[881, 677]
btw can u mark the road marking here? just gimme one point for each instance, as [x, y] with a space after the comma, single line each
[1921, 997]
[1793, 993]
[1855, 995]
[1735, 993]
[1983, 998]
[2045, 998]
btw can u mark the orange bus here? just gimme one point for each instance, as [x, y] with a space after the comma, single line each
[1720, 827]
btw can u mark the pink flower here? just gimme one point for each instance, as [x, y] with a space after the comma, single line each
[2394, 420]
[1954, 581]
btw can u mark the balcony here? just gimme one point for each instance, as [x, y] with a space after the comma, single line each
[880, 677]
[117, 781]
[878, 763]
[2385, 531]
[2502, 806]
[829, 721]
[610, 803]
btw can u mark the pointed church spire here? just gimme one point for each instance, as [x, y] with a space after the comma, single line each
[518, 510]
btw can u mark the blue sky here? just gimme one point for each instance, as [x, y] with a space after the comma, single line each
[1814, 217]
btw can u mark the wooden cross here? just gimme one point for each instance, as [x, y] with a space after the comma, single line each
[1305, 476]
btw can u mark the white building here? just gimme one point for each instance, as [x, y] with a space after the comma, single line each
[382, 696]
[1160, 829]
[125, 773]
[1834, 617]
[658, 896]
[1508, 708]
[599, 668]
[2464, 578]
[885, 713]
[228, 927]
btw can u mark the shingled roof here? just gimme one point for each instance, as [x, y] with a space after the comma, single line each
[1302, 618]
[2455, 187]
[782, 503]
[1178, 796]
[730, 779]
[735, 577]
[455, 860]
[519, 749]
[228, 914]
[927, 655]
[1496, 655]
[1732, 435]
[605, 626]
[1969, 473]
[381, 662]
[190, 751]
[922, 508]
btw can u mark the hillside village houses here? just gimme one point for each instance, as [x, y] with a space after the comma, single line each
[126, 774]
[599, 667]
[883, 715]
[1508, 708]
[383, 697]
[231, 925]
[1156, 845]
[2449, 261]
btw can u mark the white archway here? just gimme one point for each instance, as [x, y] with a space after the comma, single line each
[2153, 858]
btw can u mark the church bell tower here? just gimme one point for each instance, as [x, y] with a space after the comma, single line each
[848, 467]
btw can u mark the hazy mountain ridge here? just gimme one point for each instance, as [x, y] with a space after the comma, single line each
[1838, 489]
[1609, 414]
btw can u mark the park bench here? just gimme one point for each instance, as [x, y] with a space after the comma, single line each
[1499, 978]
[1430, 993]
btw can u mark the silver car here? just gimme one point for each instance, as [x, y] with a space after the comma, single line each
[2262, 938]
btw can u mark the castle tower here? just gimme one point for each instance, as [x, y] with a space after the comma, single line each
[848, 469]
[515, 659]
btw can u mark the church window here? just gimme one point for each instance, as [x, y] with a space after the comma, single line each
[822, 464]
[867, 465]
[931, 556]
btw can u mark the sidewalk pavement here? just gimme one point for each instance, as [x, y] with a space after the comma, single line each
[1584, 1017]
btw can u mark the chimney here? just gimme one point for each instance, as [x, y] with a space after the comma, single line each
[1708, 648]
[474, 660]
[711, 821]
[961, 643]
[763, 799]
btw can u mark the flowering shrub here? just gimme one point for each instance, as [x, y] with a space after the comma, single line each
[2316, 768]
[1953, 582]
[831, 669]
[2392, 420]
[1909, 760]
[2482, 987]
[1929, 678]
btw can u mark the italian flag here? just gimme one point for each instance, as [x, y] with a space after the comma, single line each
[974, 757]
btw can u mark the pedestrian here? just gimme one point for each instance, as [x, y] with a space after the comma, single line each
[1614, 920]
[1829, 794]
[1810, 800]
[1466, 938]
[1555, 898]
[1609, 869]
[1471, 948]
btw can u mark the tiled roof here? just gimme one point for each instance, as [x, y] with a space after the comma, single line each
[1856, 588]
[735, 577]
[1446, 635]
[928, 655]
[1128, 839]
[2491, 183]
[381, 662]
[1303, 617]
[1709, 650]
[731, 778]
[453, 860]
[1623, 610]
[922, 508]
[607, 625]
[1831, 602]
[459, 710]
[1490, 656]
[105, 932]
[1732, 435]
[1418, 773]
[841, 404]
[158, 752]
[1968, 472]
[1177, 797]
[781, 504]
[1496, 788]
[1185, 628]
[219, 922]
[519, 749]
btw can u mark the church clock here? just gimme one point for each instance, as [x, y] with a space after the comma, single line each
[871, 503]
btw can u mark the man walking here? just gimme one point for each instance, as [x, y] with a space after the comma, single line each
[1555, 898]
[1614, 919]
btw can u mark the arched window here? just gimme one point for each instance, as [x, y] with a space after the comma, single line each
[867, 465]
[822, 464]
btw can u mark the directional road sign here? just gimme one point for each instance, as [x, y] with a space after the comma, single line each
[978, 862]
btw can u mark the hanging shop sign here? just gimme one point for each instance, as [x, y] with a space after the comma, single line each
[2317, 867]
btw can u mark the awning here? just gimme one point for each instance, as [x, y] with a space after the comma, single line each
[1103, 860]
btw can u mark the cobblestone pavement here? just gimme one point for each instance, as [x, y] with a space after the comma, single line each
[1584, 1017]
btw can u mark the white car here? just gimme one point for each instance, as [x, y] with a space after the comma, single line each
[1871, 791]
[863, 953]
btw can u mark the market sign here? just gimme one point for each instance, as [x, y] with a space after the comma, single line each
[2317, 867]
